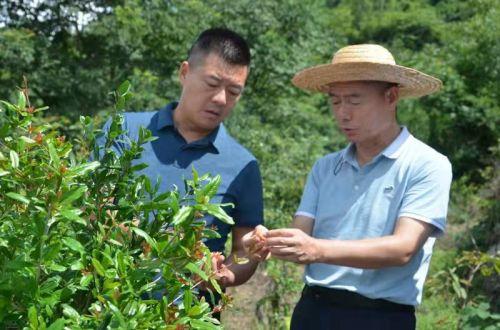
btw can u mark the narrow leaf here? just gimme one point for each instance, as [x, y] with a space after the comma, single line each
[33, 317]
[27, 140]
[124, 88]
[144, 235]
[14, 159]
[197, 270]
[219, 213]
[73, 195]
[73, 244]
[18, 197]
[57, 325]
[21, 101]
[98, 267]
[73, 215]
[181, 216]
[82, 169]
[54, 157]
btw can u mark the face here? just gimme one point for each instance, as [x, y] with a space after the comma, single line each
[364, 111]
[210, 90]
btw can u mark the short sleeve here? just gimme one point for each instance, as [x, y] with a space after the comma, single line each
[309, 202]
[249, 205]
[427, 195]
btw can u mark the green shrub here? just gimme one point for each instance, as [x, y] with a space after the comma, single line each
[82, 243]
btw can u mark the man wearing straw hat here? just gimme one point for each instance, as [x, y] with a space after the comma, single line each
[370, 213]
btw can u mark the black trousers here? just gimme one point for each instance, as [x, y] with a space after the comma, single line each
[321, 308]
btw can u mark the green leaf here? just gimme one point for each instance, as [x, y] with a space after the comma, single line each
[197, 270]
[56, 267]
[70, 312]
[21, 101]
[219, 213]
[124, 88]
[72, 195]
[98, 267]
[144, 235]
[86, 279]
[57, 325]
[73, 244]
[183, 215]
[82, 169]
[18, 197]
[195, 175]
[216, 285]
[33, 317]
[202, 325]
[188, 299]
[54, 157]
[120, 103]
[14, 159]
[73, 215]
[27, 140]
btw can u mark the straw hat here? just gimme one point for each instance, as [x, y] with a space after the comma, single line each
[367, 63]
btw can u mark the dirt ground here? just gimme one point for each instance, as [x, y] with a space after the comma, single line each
[243, 314]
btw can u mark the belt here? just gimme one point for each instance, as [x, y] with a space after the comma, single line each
[348, 299]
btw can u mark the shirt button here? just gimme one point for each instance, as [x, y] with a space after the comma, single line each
[356, 187]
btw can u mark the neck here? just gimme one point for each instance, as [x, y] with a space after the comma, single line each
[187, 129]
[366, 151]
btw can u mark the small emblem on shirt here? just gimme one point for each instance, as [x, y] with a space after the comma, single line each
[388, 189]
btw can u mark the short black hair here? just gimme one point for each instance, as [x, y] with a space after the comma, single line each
[227, 44]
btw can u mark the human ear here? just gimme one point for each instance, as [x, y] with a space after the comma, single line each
[183, 71]
[392, 94]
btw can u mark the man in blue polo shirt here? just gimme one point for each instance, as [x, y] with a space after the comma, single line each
[190, 134]
[370, 213]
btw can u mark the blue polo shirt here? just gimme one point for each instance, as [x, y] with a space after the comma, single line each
[171, 158]
[352, 202]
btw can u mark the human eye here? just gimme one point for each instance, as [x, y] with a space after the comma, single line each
[211, 84]
[355, 100]
[335, 100]
[234, 92]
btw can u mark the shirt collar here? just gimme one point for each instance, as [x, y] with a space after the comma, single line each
[216, 138]
[166, 116]
[392, 151]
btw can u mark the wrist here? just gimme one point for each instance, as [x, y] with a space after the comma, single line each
[318, 255]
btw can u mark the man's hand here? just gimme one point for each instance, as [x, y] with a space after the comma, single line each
[254, 243]
[292, 245]
[220, 272]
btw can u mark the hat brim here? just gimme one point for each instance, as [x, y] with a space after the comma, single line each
[413, 83]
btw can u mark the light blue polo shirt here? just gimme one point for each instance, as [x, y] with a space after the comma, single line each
[171, 159]
[349, 202]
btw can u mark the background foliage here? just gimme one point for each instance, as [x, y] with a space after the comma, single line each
[72, 51]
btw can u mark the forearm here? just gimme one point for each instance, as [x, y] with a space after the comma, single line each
[238, 273]
[387, 251]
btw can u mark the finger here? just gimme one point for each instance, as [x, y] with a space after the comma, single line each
[283, 251]
[257, 247]
[261, 255]
[250, 243]
[281, 241]
[285, 232]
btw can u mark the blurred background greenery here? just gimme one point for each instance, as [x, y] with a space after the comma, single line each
[74, 52]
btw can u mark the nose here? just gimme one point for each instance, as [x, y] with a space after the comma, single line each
[342, 112]
[220, 97]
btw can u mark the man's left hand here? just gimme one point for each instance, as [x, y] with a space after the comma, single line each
[293, 245]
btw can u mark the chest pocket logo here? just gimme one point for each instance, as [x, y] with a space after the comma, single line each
[388, 189]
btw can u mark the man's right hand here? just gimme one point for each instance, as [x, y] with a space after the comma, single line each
[254, 244]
